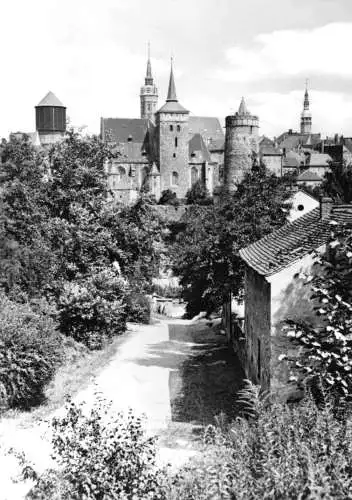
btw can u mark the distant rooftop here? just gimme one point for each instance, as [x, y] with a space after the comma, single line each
[50, 100]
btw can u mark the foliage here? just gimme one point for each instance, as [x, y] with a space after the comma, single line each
[338, 183]
[138, 308]
[29, 352]
[206, 254]
[299, 451]
[326, 350]
[198, 195]
[93, 309]
[101, 455]
[168, 197]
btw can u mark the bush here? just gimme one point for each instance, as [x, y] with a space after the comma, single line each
[101, 456]
[29, 353]
[168, 197]
[138, 308]
[285, 451]
[94, 309]
[198, 195]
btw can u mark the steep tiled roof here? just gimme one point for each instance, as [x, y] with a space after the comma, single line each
[123, 129]
[50, 100]
[291, 242]
[308, 175]
[294, 140]
[197, 147]
[293, 159]
[131, 152]
[267, 150]
[319, 159]
[210, 129]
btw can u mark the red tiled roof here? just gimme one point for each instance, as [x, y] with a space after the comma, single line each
[291, 242]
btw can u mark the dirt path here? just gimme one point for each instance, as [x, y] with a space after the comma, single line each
[177, 372]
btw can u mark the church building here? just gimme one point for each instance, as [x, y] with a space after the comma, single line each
[165, 149]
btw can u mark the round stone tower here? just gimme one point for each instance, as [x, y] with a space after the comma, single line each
[241, 145]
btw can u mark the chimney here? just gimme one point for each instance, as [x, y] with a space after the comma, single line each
[325, 206]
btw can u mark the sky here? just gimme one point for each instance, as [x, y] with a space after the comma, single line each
[92, 55]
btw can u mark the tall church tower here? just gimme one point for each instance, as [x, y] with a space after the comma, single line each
[241, 145]
[172, 143]
[149, 93]
[306, 116]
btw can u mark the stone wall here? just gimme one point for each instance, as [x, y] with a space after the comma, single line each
[273, 164]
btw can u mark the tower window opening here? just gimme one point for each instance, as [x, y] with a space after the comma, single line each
[171, 128]
[176, 142]
[178, 128]
[129, 138]
[174, 179]
[174, 155]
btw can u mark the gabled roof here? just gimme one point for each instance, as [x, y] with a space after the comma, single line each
[131, 152]
[320, 160]
[122, 129]
[197, 147]
[293, 140]
[291, 242]
[293, 159]
[309, 175]
[267, 150]
[50, 100]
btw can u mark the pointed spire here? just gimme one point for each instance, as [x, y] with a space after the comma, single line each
[149, 76]
[306, 97]
[171, 95]
[242, 110]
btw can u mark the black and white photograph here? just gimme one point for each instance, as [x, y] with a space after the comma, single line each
[176, 250]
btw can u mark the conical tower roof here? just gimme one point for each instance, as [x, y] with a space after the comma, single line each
[242, 110]
[50, 100]
[172, 105]
[149, 77]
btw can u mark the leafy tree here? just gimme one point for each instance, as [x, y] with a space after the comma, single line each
[169, 197]
[326, 350]
[338, 183]
[206, 252]
[198, 195]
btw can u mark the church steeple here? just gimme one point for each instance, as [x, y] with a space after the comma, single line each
[171, 95]
[149, 93]
[306, 116]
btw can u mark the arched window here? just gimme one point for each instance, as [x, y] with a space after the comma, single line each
[174, 179]
[175, 142]
[121, 175]
[171, 128]
[194, 175]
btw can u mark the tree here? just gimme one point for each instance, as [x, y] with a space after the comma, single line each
[168, 197]
[338, 183]
[326, 350]
[198, 195]
[206, 252]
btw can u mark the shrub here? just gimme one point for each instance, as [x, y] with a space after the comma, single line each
[168, 197]
[138, 308]
[101, 456]
[284, 451]
[94, 309]
[198, 195]
[29, 353]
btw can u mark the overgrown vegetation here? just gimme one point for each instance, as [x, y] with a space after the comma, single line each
[205, 252]
[62, 241]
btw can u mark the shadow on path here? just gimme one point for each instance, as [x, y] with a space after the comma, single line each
[204, 375]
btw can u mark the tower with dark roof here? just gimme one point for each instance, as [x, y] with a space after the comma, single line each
[172, 143]
[306, 115]
[149, 93]
[50, 118]
[241, 145]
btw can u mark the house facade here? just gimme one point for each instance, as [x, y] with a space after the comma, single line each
[275, 291]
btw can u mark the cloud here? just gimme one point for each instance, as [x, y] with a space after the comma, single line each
[288, 53]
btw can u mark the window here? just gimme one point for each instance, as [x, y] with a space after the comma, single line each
[121, 175]
[176, 142]
[300, 208]
[194, 175]
[171, 128]
[174, 179]
[178, 128]
[174, 155]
